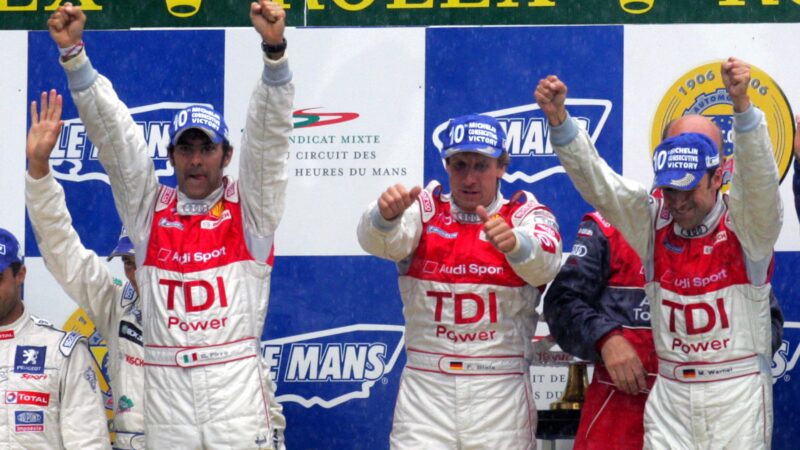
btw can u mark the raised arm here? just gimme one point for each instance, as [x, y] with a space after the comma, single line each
[79, 271]
[109, 125]
[263, 170]
[756, 209]
[624, 203]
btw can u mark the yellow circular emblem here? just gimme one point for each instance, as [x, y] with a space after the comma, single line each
[701, 91]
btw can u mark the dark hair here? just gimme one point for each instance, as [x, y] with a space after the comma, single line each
[15, 267]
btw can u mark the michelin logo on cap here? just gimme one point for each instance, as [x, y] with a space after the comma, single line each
[474, 133]
[202, 118]
[681, 161]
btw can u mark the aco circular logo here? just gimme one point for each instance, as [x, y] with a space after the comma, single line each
[701, 91]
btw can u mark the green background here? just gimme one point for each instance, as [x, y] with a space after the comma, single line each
[121, 14]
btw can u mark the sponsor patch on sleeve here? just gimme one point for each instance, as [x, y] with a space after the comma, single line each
[91, 377]
[165, 197]
[68, 342]
[130, 332]
[128, 294]
[426, 205]
[522, 212]
[548, 238]
[579, 250]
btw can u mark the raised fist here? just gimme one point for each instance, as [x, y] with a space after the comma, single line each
[551, 94]
[66, 25]
[269, 20]
[736, 76]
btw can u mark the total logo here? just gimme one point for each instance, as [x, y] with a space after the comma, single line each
[330, 367]
[28, 398]
[786, 357]
[75, 157]
[527, 135]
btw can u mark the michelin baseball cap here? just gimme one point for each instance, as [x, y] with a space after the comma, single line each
[475, 133]
[124, 246]
[681, 161]
[9, 249]
[201, 117]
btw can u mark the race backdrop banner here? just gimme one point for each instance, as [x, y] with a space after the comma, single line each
[494, 71]
[369, 108]
[123, 14]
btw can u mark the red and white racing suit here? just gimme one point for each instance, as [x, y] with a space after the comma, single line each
[709, 289]
[113, 307]
[204, 266]
[470, 314]
[50, 395]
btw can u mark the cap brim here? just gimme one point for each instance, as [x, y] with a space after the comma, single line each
[681, 180]
[122, 249]
[115, 254]
[215, 138]
[481, 149]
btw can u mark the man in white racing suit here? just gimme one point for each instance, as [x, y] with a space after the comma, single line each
[203, 250]
[112, 306]
[50, 395]
[472, 265]
[707, 260]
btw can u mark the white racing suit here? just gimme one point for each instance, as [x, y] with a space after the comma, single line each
[203, 267]
[709, 288]
[113, 307]
[470, 315]
[51, 399]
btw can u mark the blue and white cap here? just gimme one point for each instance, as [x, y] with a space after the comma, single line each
[201, 117]
[681, 161]
[9, 249]
[473, 133]
[124, 246]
